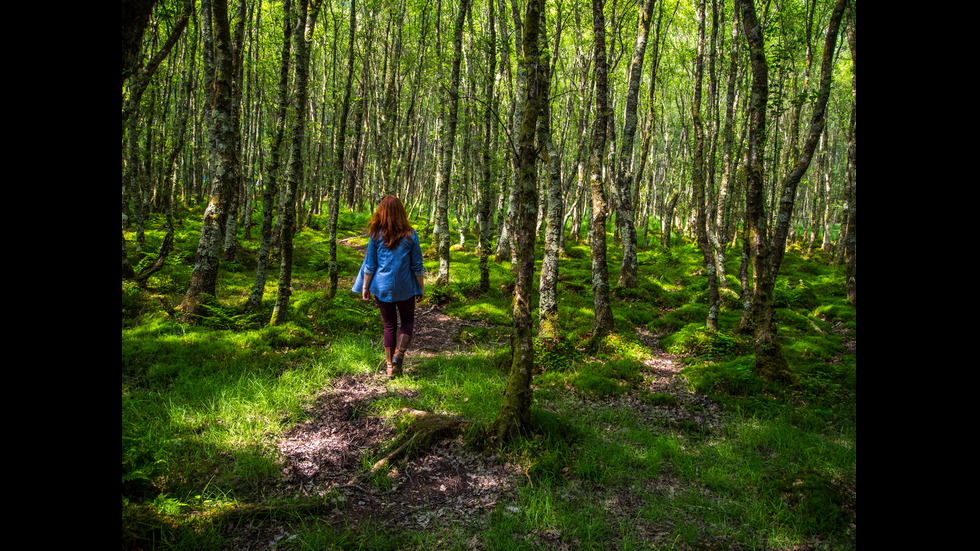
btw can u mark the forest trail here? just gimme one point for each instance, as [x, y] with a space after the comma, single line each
[325, 453]
[447, 482]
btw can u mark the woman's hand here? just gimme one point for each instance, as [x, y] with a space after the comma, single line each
[365, 289]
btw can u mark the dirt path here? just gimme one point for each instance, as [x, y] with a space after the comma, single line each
[446, 482]
[324, 456]
[325, 453]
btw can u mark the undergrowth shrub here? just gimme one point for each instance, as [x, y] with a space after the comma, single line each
[696, 340]
[730, 299]
[218, 316]
[618, 346]
[132, 299]
[794, 295]
[673, 320]
[555, 354]
[836, 312]
[287, 335]
[611, 378]
[344, 313]
[735, 377]
[439, 295]
[813, 348]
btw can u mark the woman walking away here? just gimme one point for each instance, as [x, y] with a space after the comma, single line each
[392, 271]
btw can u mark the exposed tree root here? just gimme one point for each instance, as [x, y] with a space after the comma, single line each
[423, 429]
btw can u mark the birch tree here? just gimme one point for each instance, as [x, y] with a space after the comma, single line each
[515, 411]
[603, 323]
[227, 169]
[766, 250]
[448, 145]
[306, 15]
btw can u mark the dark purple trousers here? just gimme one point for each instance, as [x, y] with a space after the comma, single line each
[390, 312]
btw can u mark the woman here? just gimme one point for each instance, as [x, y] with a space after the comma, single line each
[392, 271]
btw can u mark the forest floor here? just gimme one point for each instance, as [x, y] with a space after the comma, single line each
[446, 484]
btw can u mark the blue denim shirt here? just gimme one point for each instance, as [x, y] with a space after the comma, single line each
[394, 270]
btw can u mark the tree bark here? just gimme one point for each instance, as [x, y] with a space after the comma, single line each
[227, 171]
[305, 20]
[698, 173]
[515, 411]
[626, 214]
[448, 145]
[339, 163]
[850, 247]
[603, 323]
[271, 176]
[548, 320]
[489, 122]
[767, 255]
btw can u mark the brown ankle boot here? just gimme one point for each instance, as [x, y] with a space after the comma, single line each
[389, 353]
[398, 360]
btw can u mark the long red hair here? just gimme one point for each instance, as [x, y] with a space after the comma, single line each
[390, 221]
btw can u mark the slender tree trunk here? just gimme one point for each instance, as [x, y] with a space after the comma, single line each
[757, 234]
[227, 172]
[271, 176]
[237, 64]
[548, 320]
[448, 145]
[136, 16]
[339, 163]
[728, 162]
[603, 323]
[489, 121]
[667, 225]
[626, 214]
[506, 243]
[515, 411]
[698, 172]
[306, 14]
[767, 255]
[850, 248]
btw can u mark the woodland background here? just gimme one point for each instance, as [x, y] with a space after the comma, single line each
[513, 132]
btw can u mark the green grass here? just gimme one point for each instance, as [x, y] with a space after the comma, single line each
[611, 462]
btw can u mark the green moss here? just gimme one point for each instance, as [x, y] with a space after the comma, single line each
[696, 340]
[661, 400]
[611, 378]
[736, 377]
[287, 335]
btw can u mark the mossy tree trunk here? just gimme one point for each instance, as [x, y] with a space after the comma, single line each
[271, 175]
[603, 323]
[515, 411]
[698, 172]
[227, 169]
[850, 247]
[767, 252]
[506, 244]
[448, 145]
[548, 326]
[306, 15]
[338, 172]
[489, 123]
[626, 213]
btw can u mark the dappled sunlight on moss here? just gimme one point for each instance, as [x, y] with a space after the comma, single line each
[623, 443]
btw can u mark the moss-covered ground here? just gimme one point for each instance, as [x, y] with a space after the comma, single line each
[664, 439]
